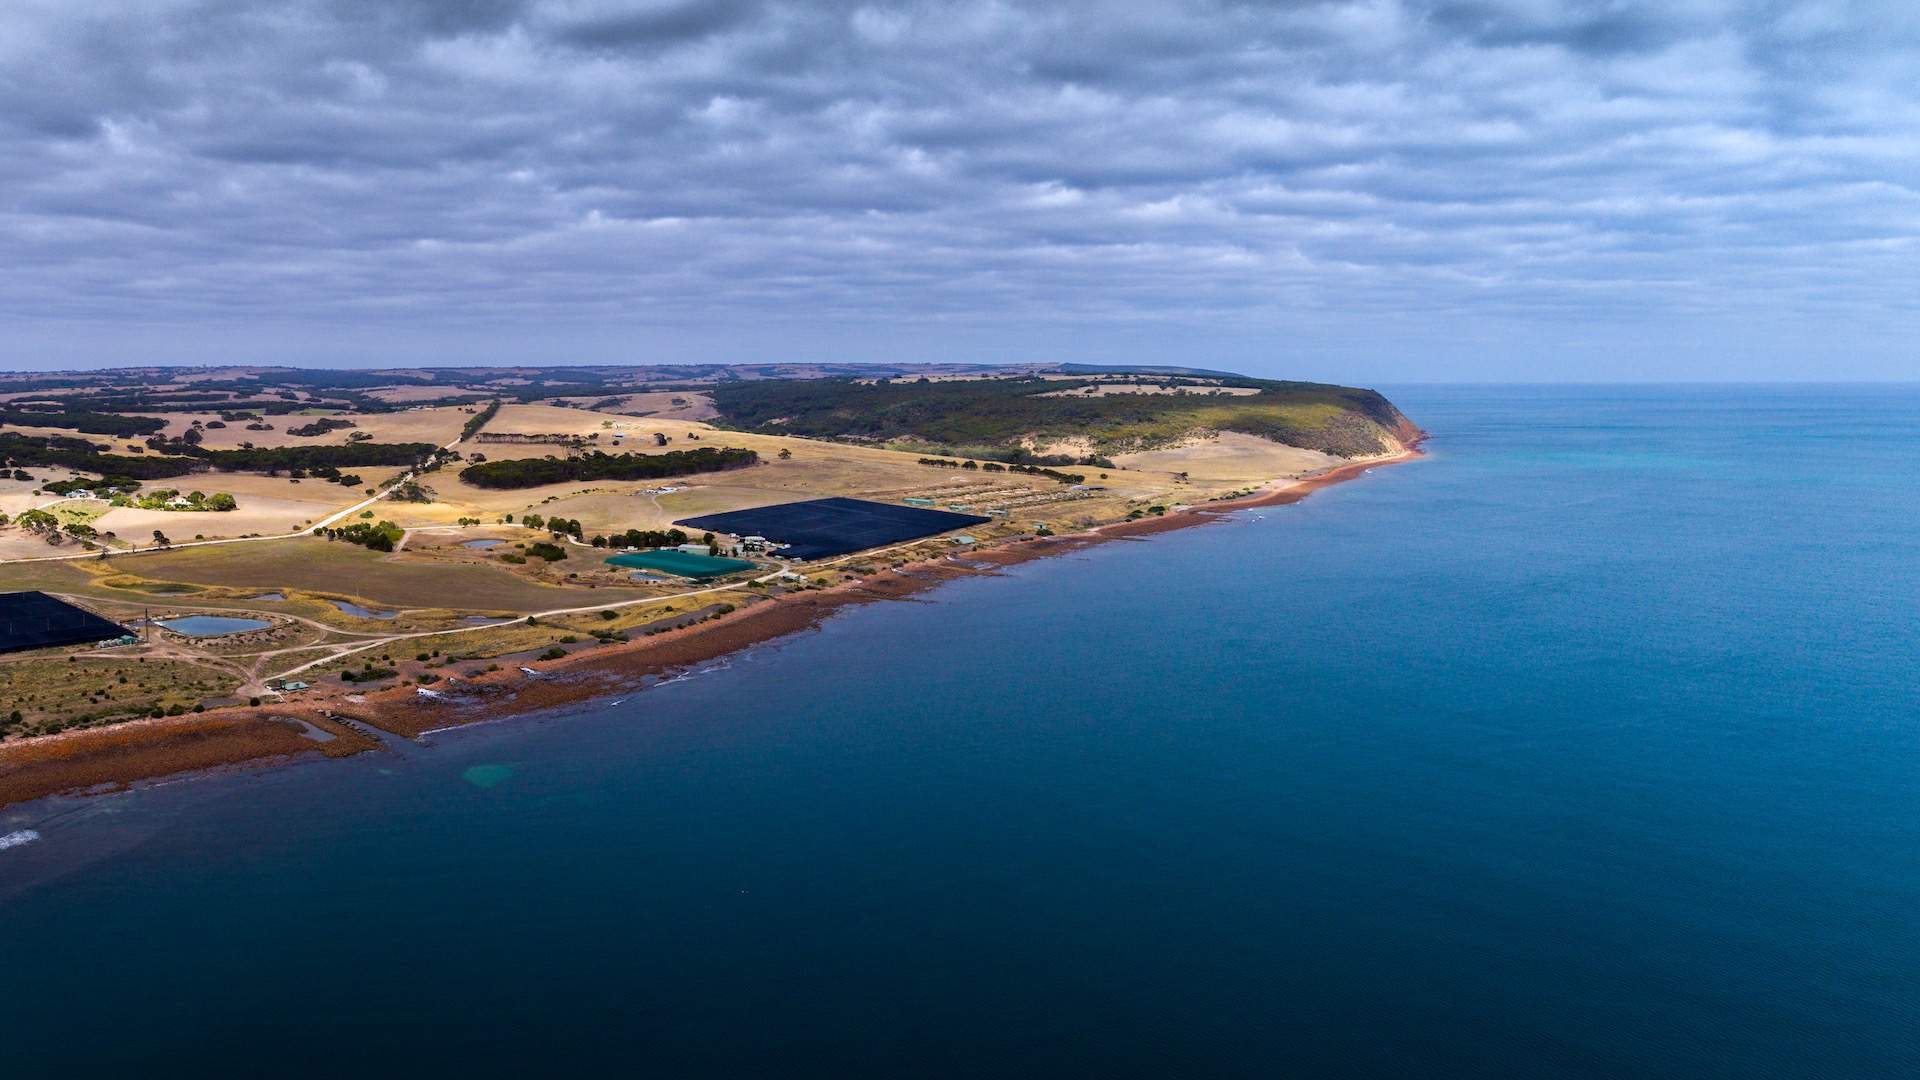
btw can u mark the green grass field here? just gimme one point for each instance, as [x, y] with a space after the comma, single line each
[61, 577]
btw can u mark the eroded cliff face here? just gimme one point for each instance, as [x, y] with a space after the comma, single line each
[1406, 433]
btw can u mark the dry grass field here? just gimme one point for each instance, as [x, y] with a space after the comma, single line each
[1231, 458]
[814, 469]
[811, 469]
[268, 505]
[420, 395]
[342, 569]
[60, 577]
[660, 404]
[433, 424]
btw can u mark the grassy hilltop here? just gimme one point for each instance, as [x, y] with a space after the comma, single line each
[1112, 413]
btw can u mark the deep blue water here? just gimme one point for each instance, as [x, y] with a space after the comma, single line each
[1588, 746]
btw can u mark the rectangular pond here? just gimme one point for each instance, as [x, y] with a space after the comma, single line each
[680, 563]
[817, 528]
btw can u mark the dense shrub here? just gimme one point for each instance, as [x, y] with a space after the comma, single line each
[533, 472]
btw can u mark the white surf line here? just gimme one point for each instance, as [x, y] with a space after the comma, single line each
[308, 531]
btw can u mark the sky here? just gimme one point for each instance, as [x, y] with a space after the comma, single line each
[1375, 191]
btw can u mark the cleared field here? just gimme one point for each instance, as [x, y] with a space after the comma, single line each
[666, 405]
[1231, 457]
[336, 567]
[256, 516]
[813, 469]
[267, 505]
[59, 577]
[18, 495]
[816, 469]
[411, 395]
[437, 425]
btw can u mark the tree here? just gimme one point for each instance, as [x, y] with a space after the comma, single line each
[38, 521]
[160, 539]
[786, 454]
[220, 500]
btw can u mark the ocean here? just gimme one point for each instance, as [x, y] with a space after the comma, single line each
[1586, 746]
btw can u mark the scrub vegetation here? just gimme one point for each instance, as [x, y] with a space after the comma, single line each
[1001, 417]
[535, 472]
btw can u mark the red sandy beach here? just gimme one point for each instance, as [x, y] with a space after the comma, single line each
[106, 759]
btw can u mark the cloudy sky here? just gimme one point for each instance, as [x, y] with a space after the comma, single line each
[1373, 191]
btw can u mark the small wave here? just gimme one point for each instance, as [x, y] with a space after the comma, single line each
[15, 839]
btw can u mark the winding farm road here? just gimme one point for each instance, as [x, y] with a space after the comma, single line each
[308, 531]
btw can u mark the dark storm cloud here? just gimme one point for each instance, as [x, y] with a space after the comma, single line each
[1246, 183]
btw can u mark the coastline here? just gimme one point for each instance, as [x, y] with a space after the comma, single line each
[104, 760]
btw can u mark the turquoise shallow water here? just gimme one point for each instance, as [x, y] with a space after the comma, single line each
[1586, 747]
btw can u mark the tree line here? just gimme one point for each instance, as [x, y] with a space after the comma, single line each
[377, 537]
[184, 457]
[479, 420]
[93, 423]
[534, 472]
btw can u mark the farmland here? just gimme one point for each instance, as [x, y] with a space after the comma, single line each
[385, 530]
